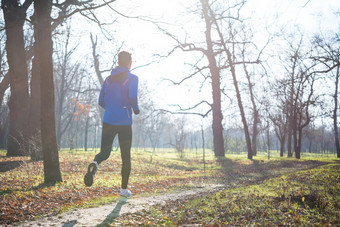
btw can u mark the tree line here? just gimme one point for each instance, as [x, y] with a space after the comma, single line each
[48, 100]
[280, 84]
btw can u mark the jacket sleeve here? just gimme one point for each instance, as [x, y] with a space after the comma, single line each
[101, 101]
[133, 95]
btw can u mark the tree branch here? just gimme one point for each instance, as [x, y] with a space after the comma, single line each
[184, 111]
[189, 113]
[185, 78]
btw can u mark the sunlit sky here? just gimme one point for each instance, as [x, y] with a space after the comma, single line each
[144, 40]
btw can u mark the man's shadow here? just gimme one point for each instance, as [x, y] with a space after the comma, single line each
[115, 213]
[109, 219]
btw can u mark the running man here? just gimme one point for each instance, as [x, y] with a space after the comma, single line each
[118, 97]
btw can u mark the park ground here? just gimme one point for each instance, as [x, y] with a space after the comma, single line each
[229, 191]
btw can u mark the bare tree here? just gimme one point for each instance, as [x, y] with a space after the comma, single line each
[277, 109]
[280, 125]
[327, 56]
[69, 80]
[220, 51]
[256, 117]
[232, 46]
[44, 44]
[209, 53]
[299, 82]
[279, 120]
[15, 16]
[178, 140]
[155, 130]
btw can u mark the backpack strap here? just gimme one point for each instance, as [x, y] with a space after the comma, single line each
[120, 78]
[125, 81]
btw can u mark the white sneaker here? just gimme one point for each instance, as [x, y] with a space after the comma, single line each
[125, 193]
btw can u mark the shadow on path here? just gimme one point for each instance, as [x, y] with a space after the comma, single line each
[109, 219]
[115, 213]
[70, 223]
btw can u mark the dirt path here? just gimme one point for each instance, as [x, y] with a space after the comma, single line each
[107, 213]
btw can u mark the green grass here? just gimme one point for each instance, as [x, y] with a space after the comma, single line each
[304, 198]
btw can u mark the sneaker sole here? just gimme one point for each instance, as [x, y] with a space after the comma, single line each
[88, 179]
[91, 171]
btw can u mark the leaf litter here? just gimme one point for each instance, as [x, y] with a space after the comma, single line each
[25, 198]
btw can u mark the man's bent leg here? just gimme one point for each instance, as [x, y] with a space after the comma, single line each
[108, 134]
[125, 140]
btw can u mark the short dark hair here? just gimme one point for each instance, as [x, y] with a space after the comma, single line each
[124, 58]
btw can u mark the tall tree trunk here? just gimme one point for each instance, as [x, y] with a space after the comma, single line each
[216, 90]
[295, 132]
[281, 135]
[282, 147]
[255, 112]
[240, 105]
[4, 85]
[289, 140]
[255, 133]
[268, 139]
[335, 114]
[291, 109]
[35, 106]
[15, 16]
[298, 144]
[34, 114]
[217, 118]
[208, 18]
[42, 9]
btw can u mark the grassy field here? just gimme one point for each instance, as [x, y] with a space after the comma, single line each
[269, 192]
[303, 198]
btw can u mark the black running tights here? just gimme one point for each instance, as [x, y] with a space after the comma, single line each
[124, 132]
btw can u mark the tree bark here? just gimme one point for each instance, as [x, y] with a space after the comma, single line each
[282, 147]
[45, 49]
[281, 135]
[335, 114]
[34, 114]
[15, 16]
[289, 141]
[255, 113]
[297, 146]
[295, 130]
[216, 90]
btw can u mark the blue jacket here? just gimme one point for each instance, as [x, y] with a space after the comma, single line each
[118, 97]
